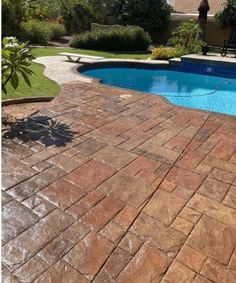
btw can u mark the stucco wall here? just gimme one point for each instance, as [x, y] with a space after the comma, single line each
[215, 35]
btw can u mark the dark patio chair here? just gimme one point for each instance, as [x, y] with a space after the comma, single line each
[230, 43]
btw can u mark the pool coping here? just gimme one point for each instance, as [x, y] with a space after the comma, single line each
[74, 76]
[165, 64]
[126, 62]
[212, 60]
[129, 156]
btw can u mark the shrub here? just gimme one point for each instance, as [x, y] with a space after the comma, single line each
[163, 53]
[16, 59]
[128, 38]
[187, 36]
[36, 31]
[77, 15]
[58, 30]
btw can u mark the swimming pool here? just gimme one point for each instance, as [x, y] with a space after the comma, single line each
[204, 92]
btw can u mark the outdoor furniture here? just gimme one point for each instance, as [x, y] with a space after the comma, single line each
[78, 57]
[230, 43]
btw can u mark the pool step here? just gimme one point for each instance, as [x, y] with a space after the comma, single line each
[175, 61]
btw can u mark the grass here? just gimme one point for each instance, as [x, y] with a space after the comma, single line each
[42, 86]
[47, 51]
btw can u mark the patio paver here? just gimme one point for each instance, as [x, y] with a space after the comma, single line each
[142, 191]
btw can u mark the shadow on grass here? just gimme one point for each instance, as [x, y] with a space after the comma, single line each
[43, 129]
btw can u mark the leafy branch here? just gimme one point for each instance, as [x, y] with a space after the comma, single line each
[16, 61]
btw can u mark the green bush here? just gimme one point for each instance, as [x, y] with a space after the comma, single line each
[187, 37]
[36, 31]
[164, 53]
[128, 38]
[58, 30]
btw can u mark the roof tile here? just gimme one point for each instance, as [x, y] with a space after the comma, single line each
[191, 6]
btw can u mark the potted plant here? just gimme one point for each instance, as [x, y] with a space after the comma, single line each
[205, 49]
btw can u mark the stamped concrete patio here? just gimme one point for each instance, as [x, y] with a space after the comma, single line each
[110, 185]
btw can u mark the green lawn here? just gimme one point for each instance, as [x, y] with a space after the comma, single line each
[42, 86]
[46, 51]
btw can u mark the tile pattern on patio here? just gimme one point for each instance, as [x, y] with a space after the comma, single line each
[143, 192]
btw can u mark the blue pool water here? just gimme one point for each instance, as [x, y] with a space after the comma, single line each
[185, 89]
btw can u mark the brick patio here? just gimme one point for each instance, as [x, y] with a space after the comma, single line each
[110, 185]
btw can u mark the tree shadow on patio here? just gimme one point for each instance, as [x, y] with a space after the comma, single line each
[44, 129]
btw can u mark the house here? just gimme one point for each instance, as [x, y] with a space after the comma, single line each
[189, 8]
[185, 10]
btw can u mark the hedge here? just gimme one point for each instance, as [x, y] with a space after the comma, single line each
[129, 38]
[36, 31]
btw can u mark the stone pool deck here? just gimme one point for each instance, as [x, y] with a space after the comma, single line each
[111, 185]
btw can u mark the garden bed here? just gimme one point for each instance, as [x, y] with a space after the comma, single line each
[12, 113]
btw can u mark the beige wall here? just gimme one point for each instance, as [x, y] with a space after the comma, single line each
[215, 35]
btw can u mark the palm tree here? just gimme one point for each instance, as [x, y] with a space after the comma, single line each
[202, 18]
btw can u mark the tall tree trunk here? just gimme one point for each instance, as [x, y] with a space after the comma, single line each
[202, 18]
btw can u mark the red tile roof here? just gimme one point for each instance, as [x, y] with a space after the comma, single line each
[191, 6]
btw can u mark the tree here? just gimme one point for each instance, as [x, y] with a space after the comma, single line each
[227, 18]
[202, 18]
[13, 13]
[152, 15]
[203, 10]
[187, 37]
[101, 10]
[43, 9]
[16, 59]
[77, 15]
